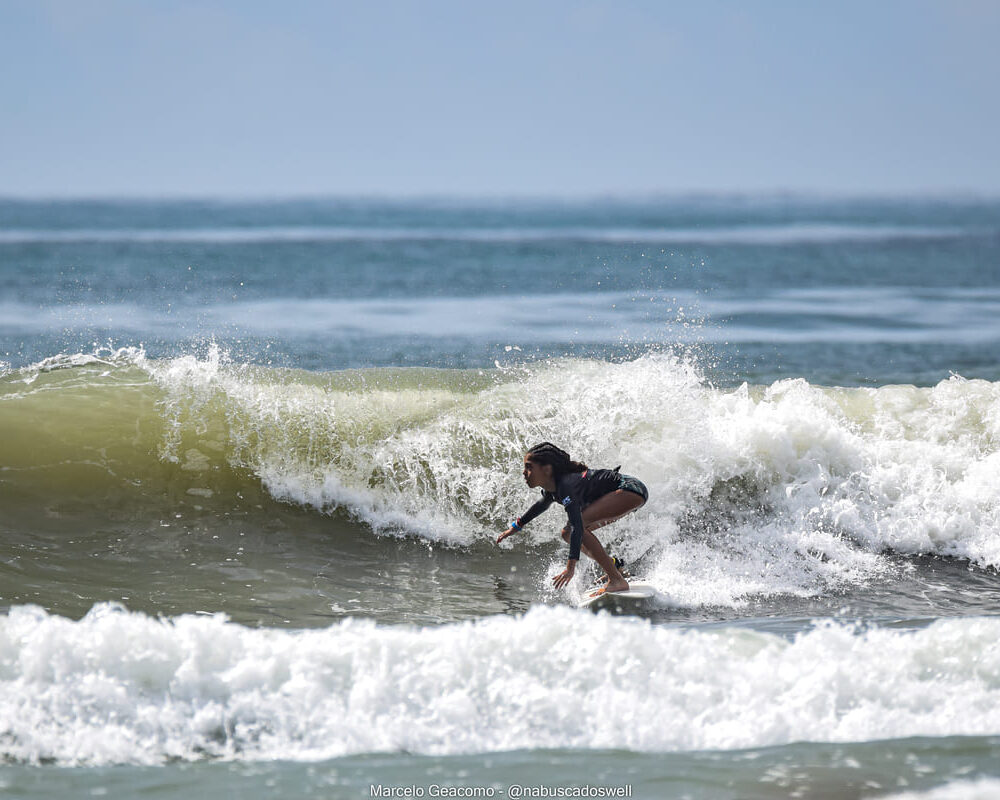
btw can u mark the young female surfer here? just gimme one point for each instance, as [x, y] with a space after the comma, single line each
[592, 498]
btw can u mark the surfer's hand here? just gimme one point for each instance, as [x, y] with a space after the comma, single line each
[504, 535]
[566, 575]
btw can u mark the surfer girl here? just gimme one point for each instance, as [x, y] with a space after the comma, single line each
[592, 498]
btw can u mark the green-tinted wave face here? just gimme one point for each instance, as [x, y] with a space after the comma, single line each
[84, 436]
[124, 437]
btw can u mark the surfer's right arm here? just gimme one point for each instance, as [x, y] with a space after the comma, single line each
[525, 518]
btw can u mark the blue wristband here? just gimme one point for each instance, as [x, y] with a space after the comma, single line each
[515, 525]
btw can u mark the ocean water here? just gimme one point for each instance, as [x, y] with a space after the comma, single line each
[254, 457]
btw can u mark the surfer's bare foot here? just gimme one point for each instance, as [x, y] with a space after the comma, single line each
[616, 586]
[605, 577]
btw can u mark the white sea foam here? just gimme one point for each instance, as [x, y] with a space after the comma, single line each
[981, 789]
[790, 488]
[122, 687]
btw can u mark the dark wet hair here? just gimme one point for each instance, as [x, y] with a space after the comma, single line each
[562, 464]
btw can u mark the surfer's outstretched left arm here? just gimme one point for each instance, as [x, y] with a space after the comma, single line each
[508, 532]
[525, 518]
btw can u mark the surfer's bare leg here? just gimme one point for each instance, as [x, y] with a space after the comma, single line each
[603, 511]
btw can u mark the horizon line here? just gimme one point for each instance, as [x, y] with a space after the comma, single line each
[495, 197]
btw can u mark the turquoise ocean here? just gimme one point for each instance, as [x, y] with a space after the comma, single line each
[254, 457]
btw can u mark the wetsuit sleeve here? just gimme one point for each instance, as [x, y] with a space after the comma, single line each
[534, 511]
[576, 525]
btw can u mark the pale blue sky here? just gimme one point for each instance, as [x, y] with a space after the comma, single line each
[244, 97]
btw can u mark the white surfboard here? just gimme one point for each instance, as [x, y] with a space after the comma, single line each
[639, 593]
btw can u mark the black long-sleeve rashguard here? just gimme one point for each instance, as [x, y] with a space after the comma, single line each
[575, 491]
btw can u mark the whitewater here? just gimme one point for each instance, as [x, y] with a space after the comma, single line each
[120, 687]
